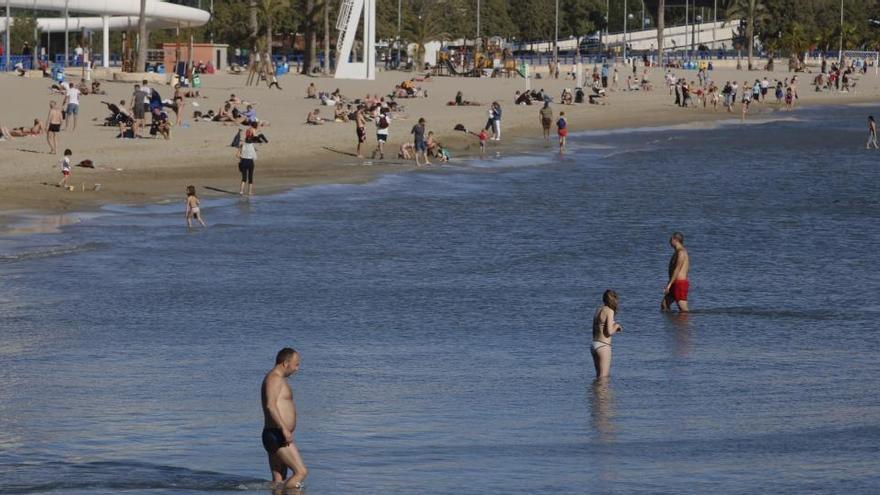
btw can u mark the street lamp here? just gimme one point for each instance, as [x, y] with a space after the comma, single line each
[629, 17]
[624, 31]
[699, 20]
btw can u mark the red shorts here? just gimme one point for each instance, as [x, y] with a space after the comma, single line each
[679, 290]
[65, 172]
[563, 132]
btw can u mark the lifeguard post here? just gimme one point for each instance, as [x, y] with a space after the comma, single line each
[350, 14]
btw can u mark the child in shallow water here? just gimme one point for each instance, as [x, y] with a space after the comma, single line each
[192, 207]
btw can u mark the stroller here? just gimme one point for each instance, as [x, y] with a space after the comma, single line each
[116, 117]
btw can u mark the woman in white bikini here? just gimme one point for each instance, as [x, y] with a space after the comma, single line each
[604, 327]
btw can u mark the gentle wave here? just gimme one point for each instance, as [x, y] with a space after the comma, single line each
[51, 251]
[120, 475]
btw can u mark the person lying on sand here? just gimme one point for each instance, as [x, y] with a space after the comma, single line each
[461, 102]
[34, 130]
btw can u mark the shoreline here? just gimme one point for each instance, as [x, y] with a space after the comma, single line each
[284, 169]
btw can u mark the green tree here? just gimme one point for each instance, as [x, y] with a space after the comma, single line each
[753, 12]
[422, 25]
[579, 18]
[23, 30]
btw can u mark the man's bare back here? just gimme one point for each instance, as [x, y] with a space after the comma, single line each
[279, 421]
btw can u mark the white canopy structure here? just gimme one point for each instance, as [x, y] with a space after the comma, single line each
[109, 14]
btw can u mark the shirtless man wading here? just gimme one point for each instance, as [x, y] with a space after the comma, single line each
[678, 285]
[279, 412]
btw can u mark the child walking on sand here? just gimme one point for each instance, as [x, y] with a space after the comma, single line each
[192, 207]
[65, 168]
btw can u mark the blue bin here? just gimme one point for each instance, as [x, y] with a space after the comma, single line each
[160, 69]
[57, 73]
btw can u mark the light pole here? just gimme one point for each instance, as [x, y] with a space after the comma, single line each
[840, 52]
[477, 41]
[629, 17]
[6, 61]
[398, 32]
[556, 40]
[624, 31]
[687, 5]
[693, 37]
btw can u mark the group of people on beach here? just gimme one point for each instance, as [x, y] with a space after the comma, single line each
[689, 94]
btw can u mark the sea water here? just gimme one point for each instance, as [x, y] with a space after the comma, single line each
[443, 318]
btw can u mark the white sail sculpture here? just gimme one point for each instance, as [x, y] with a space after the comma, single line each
[350, 14]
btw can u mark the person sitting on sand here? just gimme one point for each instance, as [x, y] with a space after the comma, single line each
[234, 100]
[461, 102]
[311, 92]
[340, 114]
[567, 97]
[407, 151]
[432, 145]
[160, 125]
[313, 118]
[522, 98]
[96, 88]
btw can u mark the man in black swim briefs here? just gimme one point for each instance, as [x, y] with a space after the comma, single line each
[279, 413]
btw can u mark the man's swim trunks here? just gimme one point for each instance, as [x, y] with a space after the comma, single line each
[273, 439]
[679, 290]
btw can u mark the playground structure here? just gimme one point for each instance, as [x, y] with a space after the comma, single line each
[107, 15]
[495, 63]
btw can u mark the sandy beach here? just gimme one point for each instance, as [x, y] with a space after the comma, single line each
[147, 170]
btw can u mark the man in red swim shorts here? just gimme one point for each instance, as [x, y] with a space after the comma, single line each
[678, 285]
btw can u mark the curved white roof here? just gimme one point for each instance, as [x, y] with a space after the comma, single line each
[156, 10]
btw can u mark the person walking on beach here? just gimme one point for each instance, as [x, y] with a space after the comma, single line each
[872, 133]
[246, 154]
[421, 148]
[279, 421]
[604, 327]
[383, 123]
[71, 103]
[677, 287]
[193, 211]
[65, 169]
[53, 121]
[562, 131]
[361, 124]
[546, 118]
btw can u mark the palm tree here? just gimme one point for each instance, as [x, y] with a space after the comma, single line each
[661, 25]
[141, 63]
[424, 28]
[270, 9]
[254, 26]
[753, 11]
[326, 37]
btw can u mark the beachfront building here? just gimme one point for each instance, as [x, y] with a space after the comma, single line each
[106, 15]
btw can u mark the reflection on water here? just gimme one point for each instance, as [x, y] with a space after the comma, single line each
[681, 332]
[602, 409]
